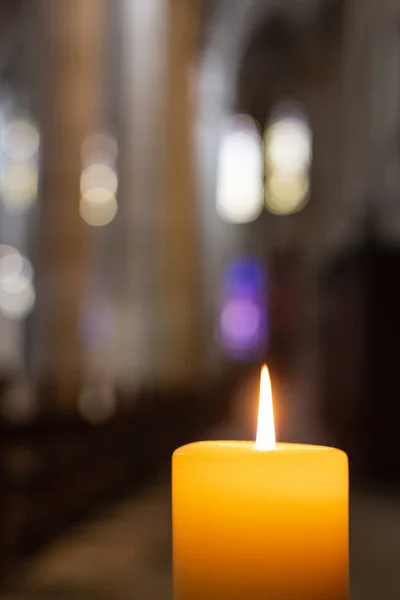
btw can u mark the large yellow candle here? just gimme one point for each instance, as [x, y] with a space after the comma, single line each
[260, 521]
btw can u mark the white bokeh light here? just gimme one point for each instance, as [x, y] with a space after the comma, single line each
[239, 177]
[17, 293]
[20, 140]
[17, 297]
[11, 263]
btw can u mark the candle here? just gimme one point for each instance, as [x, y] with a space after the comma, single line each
[260, 521]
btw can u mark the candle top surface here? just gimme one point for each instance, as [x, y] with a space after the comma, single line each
[232, 449]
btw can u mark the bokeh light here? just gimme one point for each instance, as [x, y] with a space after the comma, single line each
[20, 141]
[98, 175]
[17, 298]
[20, 165]
[288, 158]
[288, 145]
[19, 185]
[243, 311]
[239, 177]
[98, 207]
[99, 181]
[245, 275]
[240, 322]
[11, 263]
[287, 194]
[17, 293]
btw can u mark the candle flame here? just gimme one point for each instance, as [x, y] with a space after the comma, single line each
[265, 439]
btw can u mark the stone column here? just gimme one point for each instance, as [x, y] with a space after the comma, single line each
[158, 311]
[180, 273]
[72, 76]
[142, 187]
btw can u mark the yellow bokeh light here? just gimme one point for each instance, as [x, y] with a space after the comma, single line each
[98, 175]
[98, 207]
[288, 145]
[288, 157]
[286, 193]
[19, 184]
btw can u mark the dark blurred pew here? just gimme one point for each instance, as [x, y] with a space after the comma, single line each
[360, 329]
[58, 469]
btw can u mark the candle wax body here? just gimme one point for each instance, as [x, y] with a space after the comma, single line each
[250, 524]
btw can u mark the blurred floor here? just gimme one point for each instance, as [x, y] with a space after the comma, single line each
[375, 547]
[126, 552]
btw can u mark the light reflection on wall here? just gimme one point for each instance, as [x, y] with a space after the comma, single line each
[17, 293]
[288, 157]
[240, 168]
[99, 181]
[20, 142]
[243, 322]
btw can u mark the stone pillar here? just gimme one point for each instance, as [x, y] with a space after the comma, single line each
[180, 274]
[72, 76]
[158, 311]
[142, 187]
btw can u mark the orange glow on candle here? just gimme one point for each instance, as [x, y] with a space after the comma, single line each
[265, 439]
